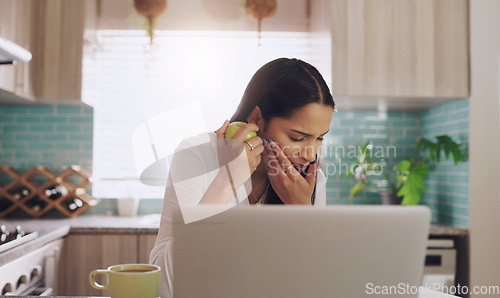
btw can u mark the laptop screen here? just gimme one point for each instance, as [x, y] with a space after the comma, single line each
[301, 251]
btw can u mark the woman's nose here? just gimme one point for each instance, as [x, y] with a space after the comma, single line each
[309, 153]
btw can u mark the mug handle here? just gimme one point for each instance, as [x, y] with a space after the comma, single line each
[94, 284]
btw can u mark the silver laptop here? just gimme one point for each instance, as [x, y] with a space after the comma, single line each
[300, 251]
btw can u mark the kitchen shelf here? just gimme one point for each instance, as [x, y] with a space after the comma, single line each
[28, 191]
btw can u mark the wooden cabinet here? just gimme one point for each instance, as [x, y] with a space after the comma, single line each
[83, 253]
[400, 48]
[57, 49]
[15, 25]
[53, 31]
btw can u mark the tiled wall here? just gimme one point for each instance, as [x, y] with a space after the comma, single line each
[447, 184]
[52, 136]
[395, 134]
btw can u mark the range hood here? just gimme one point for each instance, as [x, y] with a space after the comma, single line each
[11, 52]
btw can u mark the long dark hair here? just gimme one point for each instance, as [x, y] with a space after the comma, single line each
[282, 86]
[279, 88]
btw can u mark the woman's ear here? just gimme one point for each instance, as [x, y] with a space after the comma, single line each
[256, 117]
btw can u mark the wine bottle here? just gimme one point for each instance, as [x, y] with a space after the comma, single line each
[19, 233]
[21, 193]
[4, 234]
[73, 204]
[56, 191]
[36, 204]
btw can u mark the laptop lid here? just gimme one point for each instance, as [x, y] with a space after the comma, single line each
[301, 251]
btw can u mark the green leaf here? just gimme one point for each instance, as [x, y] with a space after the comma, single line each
[357, 189]
[421, 169]
[451, 147]
[426, 145]
[444, 144]
[403, 166]
[411, 190]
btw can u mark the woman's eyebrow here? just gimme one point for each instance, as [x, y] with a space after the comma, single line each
[307, 134]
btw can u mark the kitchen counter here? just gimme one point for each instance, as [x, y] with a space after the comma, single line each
[145, 224]
[46, 234]
[444, 230]
[51, 229]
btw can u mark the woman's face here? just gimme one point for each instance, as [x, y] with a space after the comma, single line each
[300, 136]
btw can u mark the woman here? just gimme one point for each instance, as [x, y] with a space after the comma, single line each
[289, 105]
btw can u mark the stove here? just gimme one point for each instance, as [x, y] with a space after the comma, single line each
[10, 239]
[33, 273]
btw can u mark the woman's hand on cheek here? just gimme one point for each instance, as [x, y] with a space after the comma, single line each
[286, 181]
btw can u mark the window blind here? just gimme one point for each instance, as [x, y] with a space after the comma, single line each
[129, 81]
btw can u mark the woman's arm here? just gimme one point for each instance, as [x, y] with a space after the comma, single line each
[220, 191]
[209, 171]
[237, 161]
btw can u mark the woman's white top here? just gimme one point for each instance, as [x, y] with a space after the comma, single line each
[189, 177]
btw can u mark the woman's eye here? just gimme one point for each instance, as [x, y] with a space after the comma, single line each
[296, 140]
[320, 139]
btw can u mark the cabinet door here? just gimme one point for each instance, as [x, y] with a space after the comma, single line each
[146, 244]
[23, 82]
[84, 253]
[7, 21]
[404, 48]
[57, 49]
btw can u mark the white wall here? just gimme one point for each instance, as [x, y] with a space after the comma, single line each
[484, 161]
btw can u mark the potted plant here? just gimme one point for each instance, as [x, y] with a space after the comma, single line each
[406, 182]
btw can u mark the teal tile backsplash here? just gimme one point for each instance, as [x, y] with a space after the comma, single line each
[396, 133]
[58, 136]
[447, 184]
[392, 134]
[52, 136]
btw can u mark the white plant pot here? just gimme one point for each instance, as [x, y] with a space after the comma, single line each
[128, 206]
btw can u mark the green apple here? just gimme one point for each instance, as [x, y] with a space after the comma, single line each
[234, 127]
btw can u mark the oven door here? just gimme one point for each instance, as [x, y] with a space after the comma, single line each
[33, 274]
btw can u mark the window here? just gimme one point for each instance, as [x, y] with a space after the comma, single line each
[128, 81]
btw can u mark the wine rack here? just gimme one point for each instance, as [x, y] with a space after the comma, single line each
[39, 190]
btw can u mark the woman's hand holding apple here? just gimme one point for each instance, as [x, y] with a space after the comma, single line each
[230, 154]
